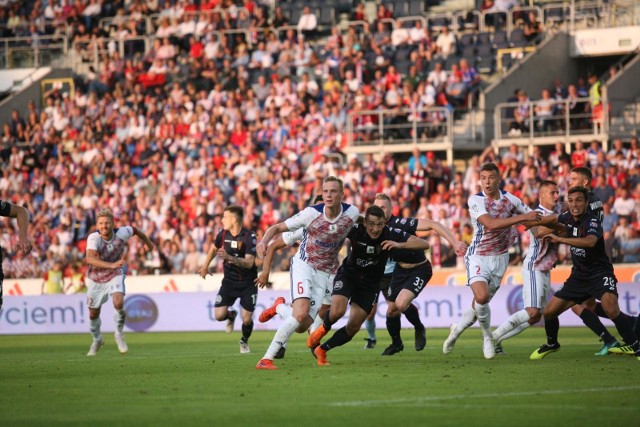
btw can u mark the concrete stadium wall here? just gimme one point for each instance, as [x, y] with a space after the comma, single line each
[624, 88]
[536, 72]
[20, 100]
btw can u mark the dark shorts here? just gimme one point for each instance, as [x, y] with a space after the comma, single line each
[356, 290]
[230, 291]
[1, 280]
[413, 279]
[384, 286]
[580, 289]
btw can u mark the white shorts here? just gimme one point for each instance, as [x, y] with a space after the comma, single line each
[99, 293]
[307, 282]
[535, 288]
[490, 269]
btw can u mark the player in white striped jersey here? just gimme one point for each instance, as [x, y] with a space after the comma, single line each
[494, 213]
[316, 262]
[106, 250]
[536, 271]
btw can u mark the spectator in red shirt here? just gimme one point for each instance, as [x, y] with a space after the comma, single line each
[579, 157]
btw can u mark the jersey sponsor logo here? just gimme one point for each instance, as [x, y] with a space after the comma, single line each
[579, 252]
[403, 221]
[327, 244]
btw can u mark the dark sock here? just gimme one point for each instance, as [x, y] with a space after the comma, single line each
[246, 331]
[624, 325]
[393, 326]
[591, 320]
[600, 311]
[413, 316]
[327, 321]
[636, 328]
[341, 337]
[551, 327]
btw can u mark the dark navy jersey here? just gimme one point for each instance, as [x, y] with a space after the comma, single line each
[594, 208]
[409, 256]
[408, 225]
[367, 259]
[5, 210]
[238, 246]
[586, 261]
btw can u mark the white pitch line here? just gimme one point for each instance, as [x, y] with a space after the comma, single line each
[417, 400]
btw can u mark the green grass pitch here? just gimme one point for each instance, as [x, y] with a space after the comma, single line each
[197, 379]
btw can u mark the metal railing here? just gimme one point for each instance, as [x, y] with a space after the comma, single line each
[32, 52]
[94, 52]
[399, 130]
[549, 121]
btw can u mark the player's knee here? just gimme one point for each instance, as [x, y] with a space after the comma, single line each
[118, 306]
[577, 309]
[534, 316]
[483, 299]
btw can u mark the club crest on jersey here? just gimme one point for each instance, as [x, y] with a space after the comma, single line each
[371, 249]
[333, 228]
[575, 232]
[109, 246]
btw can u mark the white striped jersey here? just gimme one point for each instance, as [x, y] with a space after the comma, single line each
[493, 242]
[541, 254]
[108, 251]
[322, 238]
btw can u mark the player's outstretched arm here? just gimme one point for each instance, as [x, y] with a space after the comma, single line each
[261, 248]
[263, 277]
[586, 242]
[21, 214]
[93, 259]
[148, 243]
[204, 270]
[459, 247]
[500, 223]
[413, 242]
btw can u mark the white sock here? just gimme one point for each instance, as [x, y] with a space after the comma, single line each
[95, 328]
[515, 331]
[284, 310]
[468, 318]
[119, 317]
[515, 320]
[316, 324]
[284, 332]
[484, 318]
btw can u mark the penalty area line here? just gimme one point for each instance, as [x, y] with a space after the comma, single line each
[417, 400]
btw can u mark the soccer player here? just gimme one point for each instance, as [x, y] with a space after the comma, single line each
[22, 217]
[106, 252]
[402, 283]
[236, 246]
[314, 266]
[358, 278]
[279, 305]
[592, 274]
[494, 213]
[589, 310]
[536, 271]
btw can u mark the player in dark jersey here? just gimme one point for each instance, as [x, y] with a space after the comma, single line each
[357, 279]
[24, 244]
[409, 278]
[590, 309]
[237, 247]
[591, 276]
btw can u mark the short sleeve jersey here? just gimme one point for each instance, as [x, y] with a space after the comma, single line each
[586, 261]
[493, 242]
[238, 246]
[407, 225]
[5, 210]
[595, 207]
[290, 237]
[322, 237]
[108, 251]
[541, 254]
[367, 259]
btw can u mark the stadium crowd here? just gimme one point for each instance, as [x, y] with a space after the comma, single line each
[167, 139]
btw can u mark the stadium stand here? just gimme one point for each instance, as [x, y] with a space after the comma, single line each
[180, 108]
